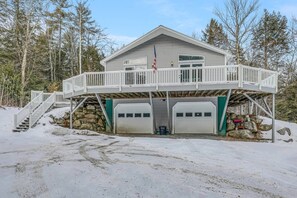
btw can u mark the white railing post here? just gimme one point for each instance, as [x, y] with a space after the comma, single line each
[276, 81]
[30, 121]
[190, 75]
[260, 78]
[203, 74]
[120, 84]
[15, 120]
[225, 73]
[196, 78]
[85, 82]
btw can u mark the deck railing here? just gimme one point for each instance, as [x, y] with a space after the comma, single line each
[172, 76]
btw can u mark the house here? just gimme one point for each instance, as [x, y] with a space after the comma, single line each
[189, 92]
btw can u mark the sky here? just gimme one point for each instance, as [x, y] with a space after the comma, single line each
[127, 20]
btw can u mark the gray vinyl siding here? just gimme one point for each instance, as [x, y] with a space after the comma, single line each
[160, 106]
[168, 49]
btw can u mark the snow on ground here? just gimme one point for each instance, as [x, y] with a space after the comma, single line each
[50, 161]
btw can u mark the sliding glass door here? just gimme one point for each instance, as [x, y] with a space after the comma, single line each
[135, 75]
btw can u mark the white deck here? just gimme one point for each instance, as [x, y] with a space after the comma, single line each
[173, 79]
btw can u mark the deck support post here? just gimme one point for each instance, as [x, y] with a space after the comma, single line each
[258, 105]
[103, 110]
[225, 109]
[168, 111]
[151, 102]
[70, 114]
[249, 107]
[273, 119]
[252, 108]
[266, 105]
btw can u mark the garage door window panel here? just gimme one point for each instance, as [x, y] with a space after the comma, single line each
[121, 115]
[207, 114]
[198, 114]
[189, 114]
[179, 115]
[146, 115]
[137, 115]
[129, 115]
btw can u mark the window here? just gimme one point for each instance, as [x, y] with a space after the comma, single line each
[198, 114]
[189, 114]
[190, 58]
[207, 114]
[179, 114]
[121, 115]
[146, 115]
[137, 115]
[129, 115]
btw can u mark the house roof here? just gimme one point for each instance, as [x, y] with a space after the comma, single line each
[165, 31]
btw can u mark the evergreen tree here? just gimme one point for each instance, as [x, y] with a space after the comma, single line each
[215, 35]
[270, 40]
[39, 46]
[57, 20]
[287, 103]
[89, 34]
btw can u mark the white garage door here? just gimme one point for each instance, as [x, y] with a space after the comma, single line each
[133, 118]
[194, 117]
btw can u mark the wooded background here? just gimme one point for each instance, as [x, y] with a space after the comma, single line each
[43, 42]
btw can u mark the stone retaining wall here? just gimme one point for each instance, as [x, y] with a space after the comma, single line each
[89, 117]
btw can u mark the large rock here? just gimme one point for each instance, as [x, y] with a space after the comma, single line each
[265, 127]
[66, 116]
[232, 116]
[91, 116]
[284, 130]
[79, 114]
[84, 120]
[91, 107]
[244, 134]
[87, 126]
[100, 123]
[259, 135]
[80, 109]
[230, 125]
[76, 124]
[257, 120]
[241, 117]
[252, 126]
[92, 120]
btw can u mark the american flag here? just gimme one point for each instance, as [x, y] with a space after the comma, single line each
[154, 65]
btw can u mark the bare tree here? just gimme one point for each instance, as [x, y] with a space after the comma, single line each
[238, 18]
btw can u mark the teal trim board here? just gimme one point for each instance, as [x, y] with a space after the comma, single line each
[109, 110]
[221, 105]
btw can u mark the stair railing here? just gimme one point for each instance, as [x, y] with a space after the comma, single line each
[37, 113]
[25, 112]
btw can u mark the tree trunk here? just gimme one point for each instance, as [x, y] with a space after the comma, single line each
[60, 42]
[50, 57]
[80, 43]
[23, 75]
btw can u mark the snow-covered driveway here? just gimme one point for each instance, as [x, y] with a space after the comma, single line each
[49, 161]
